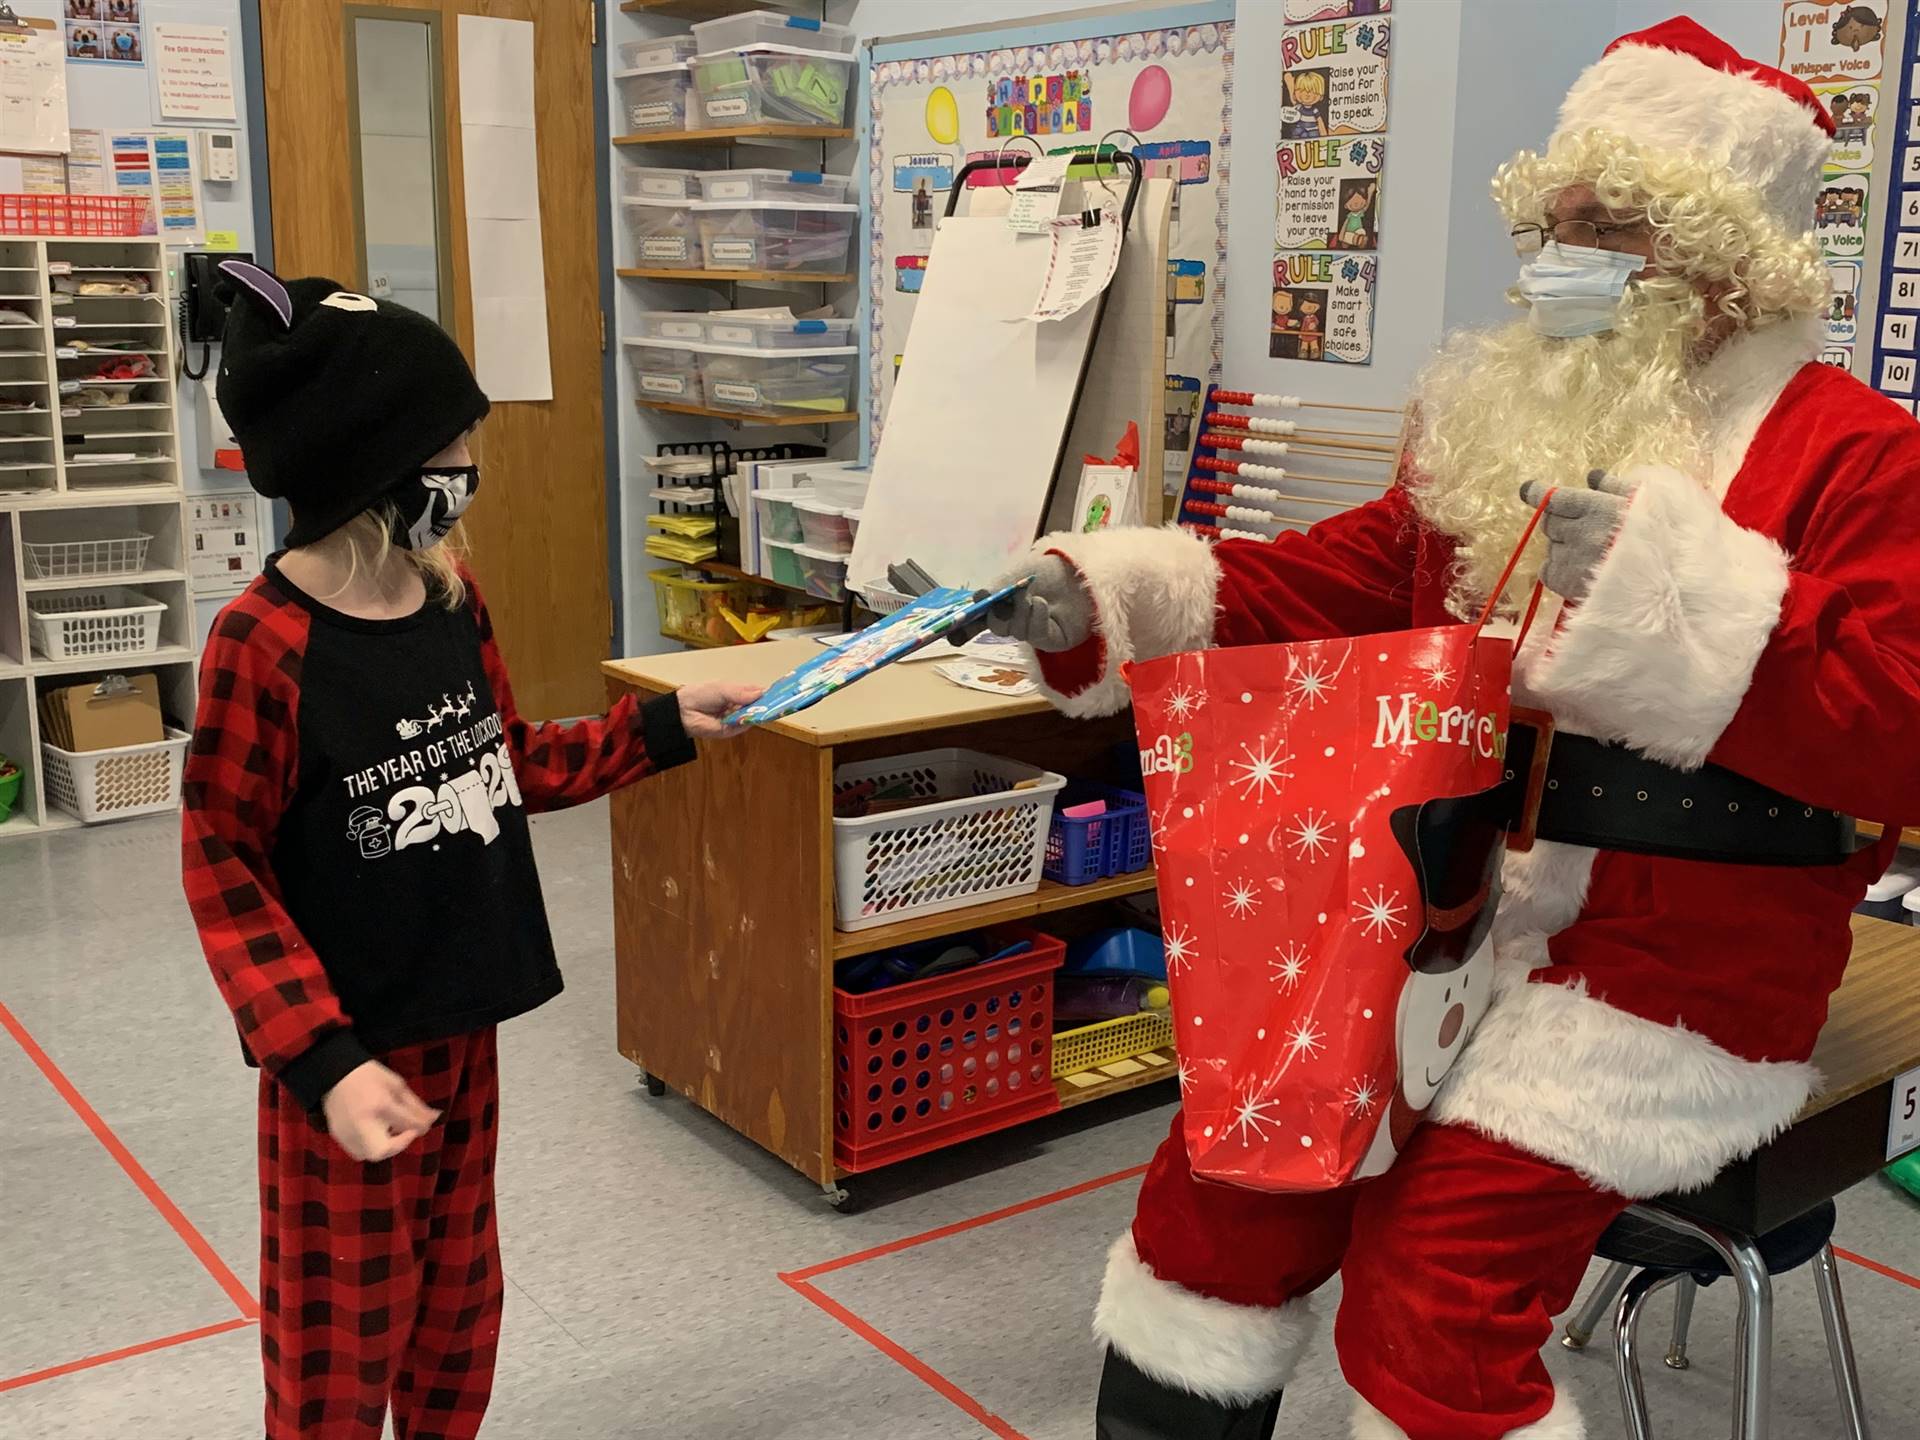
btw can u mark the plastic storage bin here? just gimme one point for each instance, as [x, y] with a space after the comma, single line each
[809, 187]
[779, 235]
[1116, 843]
[661, 50]
[690, 605]
[976, 837]
[86, 559]
[771, 27]
[924, 1065]
[824, 526]
[665, 372]
[771, 85]
[783, 565]
[683, 327]
[659, 182]
[822, 572]
[664, 231]
[96, 785]
[784, 382]
[778, 521]
[778, 334]
[658, 97]
[1091, 1046]
[69, 624]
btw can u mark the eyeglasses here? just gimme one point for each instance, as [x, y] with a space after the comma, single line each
[1591, 234]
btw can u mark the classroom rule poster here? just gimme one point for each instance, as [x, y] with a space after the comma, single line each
[1166, 95]
[1323, 306]
[1329, 194]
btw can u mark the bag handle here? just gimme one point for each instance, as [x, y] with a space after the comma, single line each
[1513, 563]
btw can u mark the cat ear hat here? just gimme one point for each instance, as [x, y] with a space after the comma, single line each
[336, 398]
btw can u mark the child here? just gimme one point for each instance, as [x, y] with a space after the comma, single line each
[358, 860]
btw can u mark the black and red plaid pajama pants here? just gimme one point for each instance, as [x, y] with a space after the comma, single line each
[381, 1283]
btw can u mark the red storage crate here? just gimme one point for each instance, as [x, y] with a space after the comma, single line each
[922, 1066]
[108, 215]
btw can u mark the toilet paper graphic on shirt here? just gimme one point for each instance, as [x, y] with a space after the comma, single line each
[453, 781]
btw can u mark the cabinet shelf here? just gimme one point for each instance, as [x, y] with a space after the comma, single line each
[725, 277]
[751, 421]
[692, 9]
[138, 577]
[1049, 899]
[720, 135]
[1072, 1095]
[143, 660]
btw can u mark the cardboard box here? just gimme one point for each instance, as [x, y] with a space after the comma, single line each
[103, 714]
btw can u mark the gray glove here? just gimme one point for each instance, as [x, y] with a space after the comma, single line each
[1580, 526]
[1051, 612]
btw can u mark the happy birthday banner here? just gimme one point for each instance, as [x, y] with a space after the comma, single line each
[1330, 172]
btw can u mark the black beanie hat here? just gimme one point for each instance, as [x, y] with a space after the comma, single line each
[335, 397]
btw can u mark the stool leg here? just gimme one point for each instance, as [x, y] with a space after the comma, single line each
[1682, 1321]
[1833, 1310]
[1581, 1327]
[1626, 1351]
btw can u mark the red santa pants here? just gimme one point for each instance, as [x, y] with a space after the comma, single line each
[1453, 1265]
[381, 1283]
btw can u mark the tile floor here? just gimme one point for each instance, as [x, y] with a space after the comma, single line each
[644, 1243]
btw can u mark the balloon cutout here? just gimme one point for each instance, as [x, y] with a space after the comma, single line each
[1147, 106]
[943, 116]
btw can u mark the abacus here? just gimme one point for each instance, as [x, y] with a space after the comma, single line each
[1230, 498]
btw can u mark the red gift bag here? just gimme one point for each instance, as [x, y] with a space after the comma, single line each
[1328, 831]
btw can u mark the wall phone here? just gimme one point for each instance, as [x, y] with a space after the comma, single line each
[205, 295]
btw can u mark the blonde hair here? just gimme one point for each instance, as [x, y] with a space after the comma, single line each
[1706, 224]
[368, 538]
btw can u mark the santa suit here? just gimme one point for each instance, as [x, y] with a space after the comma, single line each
[1652, 1018]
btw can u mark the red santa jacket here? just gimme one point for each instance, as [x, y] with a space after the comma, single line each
[1653, 1017]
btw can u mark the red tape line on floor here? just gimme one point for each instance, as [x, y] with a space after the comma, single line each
[1874, 1265]
[146, 1347]
[196, 1242]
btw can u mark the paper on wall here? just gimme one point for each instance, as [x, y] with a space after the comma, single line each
[225, 529]
[87, 164]
[1084, 260]
[496, 72]
[1330, 193]
[1037, 195]
[33, 88]
[1334, 76]
[1323, 307]
[502, 173]
[193, 73]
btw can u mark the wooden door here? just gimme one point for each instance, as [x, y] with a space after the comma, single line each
[538, 527]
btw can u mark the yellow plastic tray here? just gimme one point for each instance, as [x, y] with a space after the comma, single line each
[1094, 1045]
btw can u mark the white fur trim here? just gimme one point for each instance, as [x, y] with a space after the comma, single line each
[1638, 1108]
[1742, 383]
[1235, 1354]
[1660, 653]
[1661, 99]
[1154, 593]
[1560, 1423]
[1542, 890]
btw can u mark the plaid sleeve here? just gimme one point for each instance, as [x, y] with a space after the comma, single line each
[559, 765]
[240, 773]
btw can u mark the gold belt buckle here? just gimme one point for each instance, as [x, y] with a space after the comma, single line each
[1520, 838]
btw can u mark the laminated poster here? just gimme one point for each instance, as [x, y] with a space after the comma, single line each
[1844, 302]
[1299, 12]
[1323, 307]
[1840, 215]
[1831, 42]
[1854, 108]
[1334, 77]
[1329, 194]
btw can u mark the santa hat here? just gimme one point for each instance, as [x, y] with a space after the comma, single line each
[1677, 87]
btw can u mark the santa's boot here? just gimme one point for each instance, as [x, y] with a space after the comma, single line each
[1135, 1406]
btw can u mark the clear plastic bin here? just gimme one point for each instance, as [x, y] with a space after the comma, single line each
[810, 187]
[664, 372]
[780, 382]
[778, 522]
[683, 326]
[779, 333]
[783, 565]
[772, 85]
[660, 50]
[664, 231]
[658, 182]
[824, 526]
[771, 27]
[658, 97]
[775, 235]
[821, 573]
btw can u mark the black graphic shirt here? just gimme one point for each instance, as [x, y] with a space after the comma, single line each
[357, 855]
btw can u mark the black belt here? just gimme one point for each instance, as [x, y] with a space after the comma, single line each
[1608, 798]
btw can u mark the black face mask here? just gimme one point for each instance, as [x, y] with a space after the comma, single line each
[426, 507]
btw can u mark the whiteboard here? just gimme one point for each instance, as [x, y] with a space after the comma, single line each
[983, 398]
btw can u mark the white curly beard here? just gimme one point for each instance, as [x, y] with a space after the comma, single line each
[1501, 407]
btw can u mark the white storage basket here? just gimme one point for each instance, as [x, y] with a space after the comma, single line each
[112, 620]
[987, 844]
[96, 785]
[86, 559]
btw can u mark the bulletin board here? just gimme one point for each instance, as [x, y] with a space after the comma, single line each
[1170, 85]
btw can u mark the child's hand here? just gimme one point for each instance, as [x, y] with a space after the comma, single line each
[374, 1114]
[703, 706]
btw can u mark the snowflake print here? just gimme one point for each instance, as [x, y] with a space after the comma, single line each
[1381, 916]
[1242, 899]
[1181, 950]
[1439, 674]
[1362, 1097]
[1266, 770]
[1183, 704]
[1252, 1113]
[1311, 836]
[1311, 682]
[1305, 1038]
[1290, 968]
[1184, 1072]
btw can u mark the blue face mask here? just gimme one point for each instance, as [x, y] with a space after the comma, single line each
[1575, 289]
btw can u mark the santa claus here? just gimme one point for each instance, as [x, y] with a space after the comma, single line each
[1734, 664]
